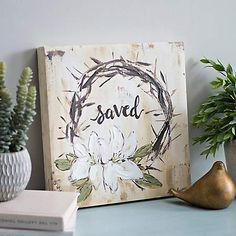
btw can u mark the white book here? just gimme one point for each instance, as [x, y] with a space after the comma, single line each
[42, 210]
[25, 232]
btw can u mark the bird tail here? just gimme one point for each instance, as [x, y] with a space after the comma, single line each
[174, 192]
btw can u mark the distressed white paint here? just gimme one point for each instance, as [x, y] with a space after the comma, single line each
[58, 68]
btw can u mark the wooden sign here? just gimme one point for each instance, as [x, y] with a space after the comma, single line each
[114, 120]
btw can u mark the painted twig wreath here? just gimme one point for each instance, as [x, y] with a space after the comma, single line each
[125, 68]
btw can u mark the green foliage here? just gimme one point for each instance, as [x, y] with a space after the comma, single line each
[84, 191]
[80, 183]
[141, 153]
[148, 181]
[84, 187]
[63, 164]
[217, 115]
[14, 123]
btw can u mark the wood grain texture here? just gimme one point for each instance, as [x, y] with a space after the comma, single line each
[45, 117]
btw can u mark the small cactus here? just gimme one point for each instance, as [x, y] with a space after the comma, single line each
[14, 123]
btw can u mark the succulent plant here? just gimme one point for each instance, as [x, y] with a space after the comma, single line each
[15, 121]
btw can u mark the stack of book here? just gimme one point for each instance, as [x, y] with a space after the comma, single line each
[41, 213]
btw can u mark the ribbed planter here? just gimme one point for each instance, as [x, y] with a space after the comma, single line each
[15, 172]
[230, 158]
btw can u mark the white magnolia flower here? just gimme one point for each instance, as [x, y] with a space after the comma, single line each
[104, 162]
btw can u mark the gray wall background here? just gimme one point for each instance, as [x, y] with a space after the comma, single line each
[207, 28]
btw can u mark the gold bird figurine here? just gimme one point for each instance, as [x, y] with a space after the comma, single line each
[215, 190]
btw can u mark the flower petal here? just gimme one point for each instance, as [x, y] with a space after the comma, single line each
[94, 146]
[116, 140]
[127, 170]
[80, 150]
[130, 145]
[110, 177]
[105, 151]
[79, 169]
[95, 175]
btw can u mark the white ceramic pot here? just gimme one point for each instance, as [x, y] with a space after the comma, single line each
[230, 158]
[15, 172]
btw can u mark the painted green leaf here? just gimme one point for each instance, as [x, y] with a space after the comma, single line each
[71, 156]
[148, 181]
[142, 168]
[142, 152]
[84, 192]
[79, 183]
[63, 164]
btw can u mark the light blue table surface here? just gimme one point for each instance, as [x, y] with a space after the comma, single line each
[168, 216]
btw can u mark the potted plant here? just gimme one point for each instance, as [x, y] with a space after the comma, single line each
[15, 163]
[217, 115]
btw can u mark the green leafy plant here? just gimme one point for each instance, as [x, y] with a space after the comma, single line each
[217, 115]
[15, 121]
